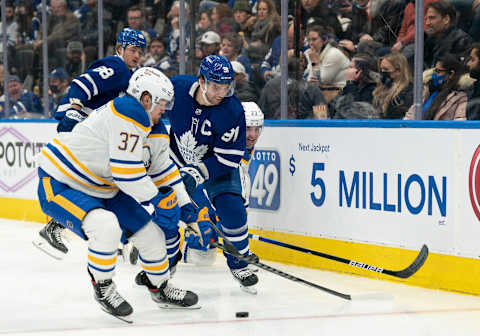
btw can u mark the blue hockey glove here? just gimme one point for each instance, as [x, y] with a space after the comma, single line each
[71, 118]
[167, 211]
[193, 176]
[188, 213]
[198, 233]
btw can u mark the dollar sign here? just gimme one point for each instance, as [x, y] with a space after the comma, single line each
[292, 165]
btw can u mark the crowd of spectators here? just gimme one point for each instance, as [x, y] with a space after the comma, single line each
[347, 59]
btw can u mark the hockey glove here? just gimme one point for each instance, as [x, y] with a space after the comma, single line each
[71, 118]
[188, 213]
[129, 253]
[198, 233]
[193, 176]
[167, 211]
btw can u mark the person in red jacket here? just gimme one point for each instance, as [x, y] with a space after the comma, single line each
[406, 35]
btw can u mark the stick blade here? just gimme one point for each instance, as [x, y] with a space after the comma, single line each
[415, 266]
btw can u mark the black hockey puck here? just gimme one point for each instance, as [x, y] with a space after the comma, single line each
[241, 314]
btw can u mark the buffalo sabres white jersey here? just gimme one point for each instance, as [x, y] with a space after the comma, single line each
[161, 169]
[244, 175]
[105, 153]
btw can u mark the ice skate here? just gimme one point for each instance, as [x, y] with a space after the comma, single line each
[170, 297]
[50, 240]
[246, 278]
[110, 300]
[167, 296]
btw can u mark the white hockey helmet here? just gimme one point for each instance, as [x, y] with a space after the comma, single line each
[253, 114]
[154, 82]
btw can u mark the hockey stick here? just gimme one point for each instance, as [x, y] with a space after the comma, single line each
[405, 273]
[228, 247]
[254, 261]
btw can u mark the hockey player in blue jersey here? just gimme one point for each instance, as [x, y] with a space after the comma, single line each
[93, 180]
[193, 252]
[103, 81]
[207, 142]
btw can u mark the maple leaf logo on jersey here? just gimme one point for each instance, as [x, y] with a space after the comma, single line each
[187, 145]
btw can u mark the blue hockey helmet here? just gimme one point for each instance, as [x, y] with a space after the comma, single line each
[218, 69]
[129, 36]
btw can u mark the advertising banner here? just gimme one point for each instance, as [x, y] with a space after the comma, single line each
[395, 187]
[19, 142]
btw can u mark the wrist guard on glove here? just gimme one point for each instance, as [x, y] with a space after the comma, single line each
[167, 211]
[71, 118]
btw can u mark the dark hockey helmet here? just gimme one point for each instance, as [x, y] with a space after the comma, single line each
[218, 69]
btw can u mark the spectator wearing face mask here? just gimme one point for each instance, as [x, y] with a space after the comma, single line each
[393, 95]
[473, 65]
[443, 97]
[59, 82]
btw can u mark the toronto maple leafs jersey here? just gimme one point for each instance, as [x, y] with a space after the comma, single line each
[103, 81]
[161, 169]
[104, 153]
[214, 135]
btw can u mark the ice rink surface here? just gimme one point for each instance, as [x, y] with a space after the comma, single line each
[43, 296]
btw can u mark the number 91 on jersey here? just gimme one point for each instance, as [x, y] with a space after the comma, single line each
[265, 175]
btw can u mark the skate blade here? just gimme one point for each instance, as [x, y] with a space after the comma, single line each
[172, 306]
[250, 289]
[126, 319]
[45, 247]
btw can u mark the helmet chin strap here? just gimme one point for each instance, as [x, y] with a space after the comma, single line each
[204, 93]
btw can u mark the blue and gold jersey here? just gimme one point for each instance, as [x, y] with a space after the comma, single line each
[105, 153]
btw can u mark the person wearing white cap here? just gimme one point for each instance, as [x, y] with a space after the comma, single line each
[209, 44]
[244, 89]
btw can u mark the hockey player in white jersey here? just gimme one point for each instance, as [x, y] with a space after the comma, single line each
[104, 80]
[193, 252]
[94, 182]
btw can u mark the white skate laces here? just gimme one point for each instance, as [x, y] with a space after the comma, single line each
[110, 294]
[174, 293]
